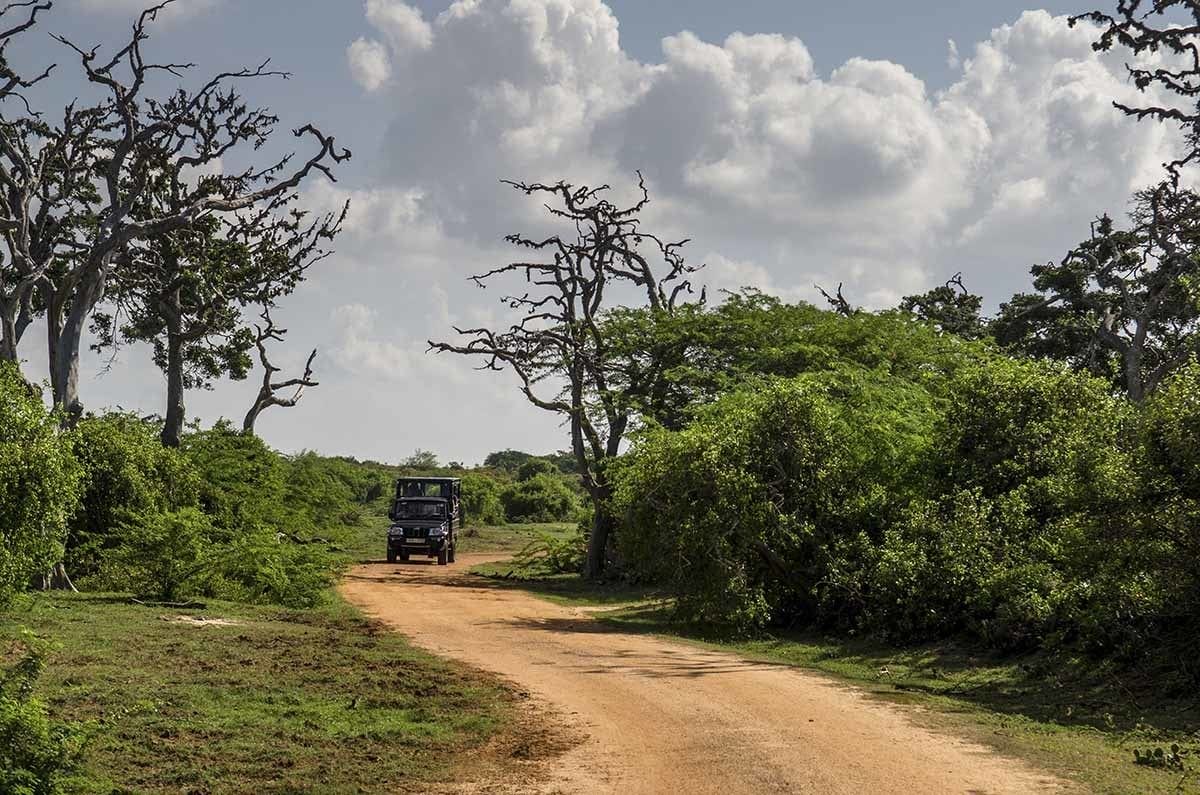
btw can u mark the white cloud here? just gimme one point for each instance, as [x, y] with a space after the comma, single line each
[747, 147]
[360, 352]
[785, 173]
[402, 24]
[370, 63]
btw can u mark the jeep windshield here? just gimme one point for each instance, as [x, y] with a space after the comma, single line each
[420, 510]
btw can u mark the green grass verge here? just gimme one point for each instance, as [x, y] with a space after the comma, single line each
[368, 541]
[1071, 716]
[279, 701]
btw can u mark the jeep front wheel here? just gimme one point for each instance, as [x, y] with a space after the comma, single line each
[391, 555]
[442, 557]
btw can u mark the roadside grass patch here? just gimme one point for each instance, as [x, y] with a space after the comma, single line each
[1085, 721]
[368, 540]
[321, 700]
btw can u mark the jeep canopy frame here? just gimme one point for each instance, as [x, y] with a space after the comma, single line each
[445, 488]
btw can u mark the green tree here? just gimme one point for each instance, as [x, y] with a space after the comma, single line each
[421, 459]
[950, 308]
[536, 466]
[1123, 305]
[509, 460]
[705, 352]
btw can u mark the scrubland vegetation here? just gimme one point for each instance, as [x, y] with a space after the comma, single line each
[1025, 484]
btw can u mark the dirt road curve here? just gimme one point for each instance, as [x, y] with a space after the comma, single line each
[665, 717]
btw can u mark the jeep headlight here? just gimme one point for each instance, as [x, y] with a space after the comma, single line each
[437, 532]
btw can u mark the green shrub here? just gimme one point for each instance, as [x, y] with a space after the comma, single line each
[126, 471]
[481, 503]
[37, 754]
[162, 555]
[242, 480]
[261, 567]
[39, 482]
[766, 507]
[541, 498]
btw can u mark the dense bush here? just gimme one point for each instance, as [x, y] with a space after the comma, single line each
[38, 485]
[126, 471]
[224, 517]
[536, 466]
[37, 755]
[1033, 483]
[264, 567]
[768, 504]
[1168, 537]
[481, 503]
[163, 555]
[1014, 501]
[242, 481]
[541, 498]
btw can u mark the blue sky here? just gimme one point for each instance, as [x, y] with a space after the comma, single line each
[797, 143]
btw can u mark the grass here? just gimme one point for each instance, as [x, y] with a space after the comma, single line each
[279, 701]
[509, 538]
[1069, 716]
[368, 540]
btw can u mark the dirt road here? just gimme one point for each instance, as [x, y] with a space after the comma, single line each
[667, 717]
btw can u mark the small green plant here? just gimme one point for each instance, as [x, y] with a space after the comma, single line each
[548, 554]
[37, 754]
[1164, 759]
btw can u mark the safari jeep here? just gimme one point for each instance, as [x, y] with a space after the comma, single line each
[425, 518]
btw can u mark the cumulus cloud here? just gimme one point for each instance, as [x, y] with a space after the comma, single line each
[402, 24]
[784, 172]
[369, 62]
[360, 352]
[856, 171]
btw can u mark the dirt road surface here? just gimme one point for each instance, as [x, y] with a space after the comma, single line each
[659, 716]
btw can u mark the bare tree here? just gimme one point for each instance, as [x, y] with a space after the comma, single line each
[837, 301]
[187, 292]
[185, 134]
[558, 348]
[15, 19]
[46, 203]
[1153, 26]
[268, 393]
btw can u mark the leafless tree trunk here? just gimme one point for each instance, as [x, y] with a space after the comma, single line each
[268, 393]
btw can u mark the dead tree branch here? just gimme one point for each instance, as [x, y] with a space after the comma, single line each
[268, 393]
